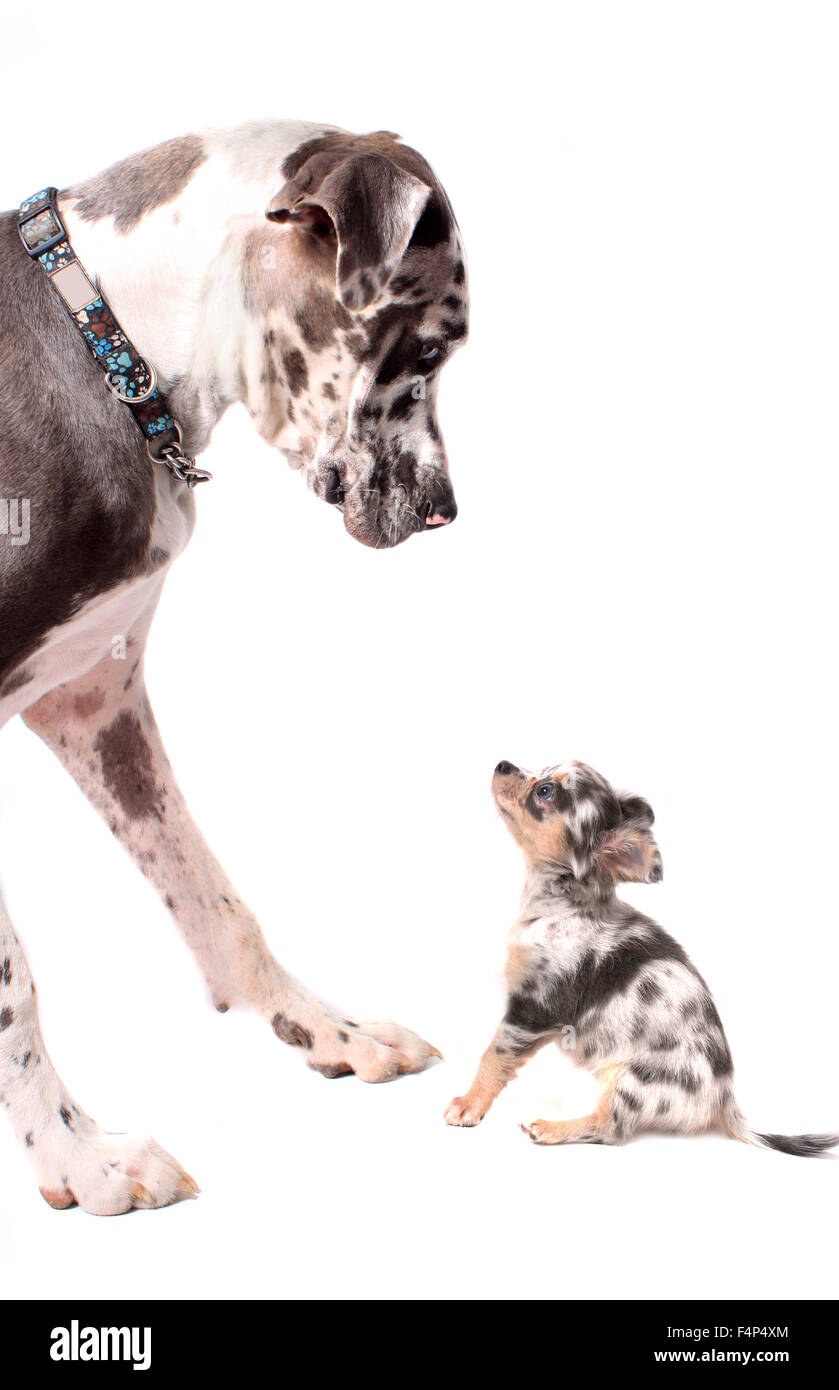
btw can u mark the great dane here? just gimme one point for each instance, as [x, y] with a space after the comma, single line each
[318, 277]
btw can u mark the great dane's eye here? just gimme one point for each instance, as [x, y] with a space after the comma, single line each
[545, 791]
[428, 352]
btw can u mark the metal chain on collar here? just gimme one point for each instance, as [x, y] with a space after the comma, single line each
[180, 465]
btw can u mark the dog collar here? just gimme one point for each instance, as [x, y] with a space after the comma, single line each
[127, 375]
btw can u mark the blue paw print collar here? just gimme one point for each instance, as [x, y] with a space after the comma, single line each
[127, 375]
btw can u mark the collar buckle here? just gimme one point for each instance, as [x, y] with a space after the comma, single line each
[39, 223]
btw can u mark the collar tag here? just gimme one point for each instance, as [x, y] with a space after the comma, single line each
[74, 287]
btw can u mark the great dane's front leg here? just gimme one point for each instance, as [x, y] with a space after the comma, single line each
[76, 1161]
[102, 728]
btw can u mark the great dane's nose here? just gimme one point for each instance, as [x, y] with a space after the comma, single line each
[504, 768]
[334, 488]
[442, 509]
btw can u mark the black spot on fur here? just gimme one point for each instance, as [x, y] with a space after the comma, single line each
[292, 1033]
[434, 225]
[16, 681]
[6, 1019]
[541, 1005]
[715, 1048]
[403, 405]
[453, 330]
[296, 370]
[652, 1075]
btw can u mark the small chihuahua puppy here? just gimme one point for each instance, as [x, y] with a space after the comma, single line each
[585, 970]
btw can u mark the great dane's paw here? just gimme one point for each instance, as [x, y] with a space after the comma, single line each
[465, 1112]
[372, 1051]
[109, 1174]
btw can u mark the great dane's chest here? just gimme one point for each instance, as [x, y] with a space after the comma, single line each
[114, 622]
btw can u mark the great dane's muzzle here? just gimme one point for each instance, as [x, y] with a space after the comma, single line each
[384, 511]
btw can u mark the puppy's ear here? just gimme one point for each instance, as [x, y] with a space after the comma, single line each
[369, 205]
[636, 810]
[629, 853]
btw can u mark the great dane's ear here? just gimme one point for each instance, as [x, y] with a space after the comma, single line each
[629, 853]
[372, 207]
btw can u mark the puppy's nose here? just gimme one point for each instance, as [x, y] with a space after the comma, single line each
[504, 768]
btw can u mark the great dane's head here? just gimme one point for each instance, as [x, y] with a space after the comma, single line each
[359, 285]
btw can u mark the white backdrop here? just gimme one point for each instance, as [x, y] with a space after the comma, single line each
[643, 441]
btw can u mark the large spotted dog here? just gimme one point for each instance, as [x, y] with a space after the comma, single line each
[319, 278]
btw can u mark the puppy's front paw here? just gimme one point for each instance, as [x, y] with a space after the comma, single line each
[465, 1112]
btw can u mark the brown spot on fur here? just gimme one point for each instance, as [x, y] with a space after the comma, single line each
[517, 965]
[290, 1032]
[88, 703]
[127, 767]
[139, 184]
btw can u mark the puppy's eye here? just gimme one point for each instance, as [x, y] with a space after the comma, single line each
[428, 352]
[545, 791]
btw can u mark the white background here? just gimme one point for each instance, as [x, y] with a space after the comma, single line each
[643, 441]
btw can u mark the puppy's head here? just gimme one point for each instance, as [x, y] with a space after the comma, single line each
[569, 818]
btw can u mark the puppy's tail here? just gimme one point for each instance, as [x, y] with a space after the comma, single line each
[803, 1145]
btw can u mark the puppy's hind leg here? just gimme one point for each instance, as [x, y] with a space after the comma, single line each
[612, 1122]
